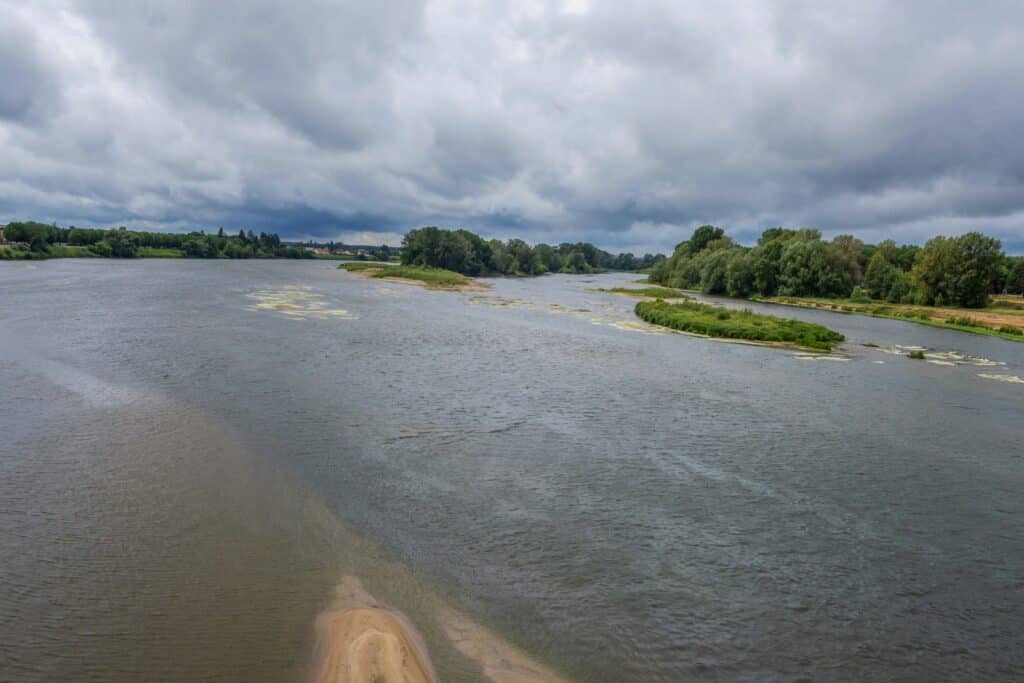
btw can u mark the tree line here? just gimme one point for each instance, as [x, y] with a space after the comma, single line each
[952, 271]
[466, 252]
[124, 243]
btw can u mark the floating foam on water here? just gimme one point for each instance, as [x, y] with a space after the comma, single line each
[632, 326]
[945, 355]
[942, 358]
[1012, 379]
[501, 302]
[295, 302]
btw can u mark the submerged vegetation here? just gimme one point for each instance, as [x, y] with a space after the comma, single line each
[432, 277]
[713, 321]
[465, 252]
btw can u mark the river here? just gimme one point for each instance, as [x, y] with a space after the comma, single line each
[193, 454]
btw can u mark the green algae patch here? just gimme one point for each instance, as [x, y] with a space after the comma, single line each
[713, 321]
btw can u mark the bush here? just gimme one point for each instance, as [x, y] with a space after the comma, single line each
[101, 249]
[917, 355]
[964, 321]
[859, 295]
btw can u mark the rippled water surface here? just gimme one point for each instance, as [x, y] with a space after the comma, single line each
[192, 454]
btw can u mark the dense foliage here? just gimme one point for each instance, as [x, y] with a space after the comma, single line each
[465, 252]
[956, 271]
[46, 240]
[698, 318]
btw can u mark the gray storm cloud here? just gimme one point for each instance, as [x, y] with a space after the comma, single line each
[622, 123]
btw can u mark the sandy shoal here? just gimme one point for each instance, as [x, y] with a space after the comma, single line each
[360, 641]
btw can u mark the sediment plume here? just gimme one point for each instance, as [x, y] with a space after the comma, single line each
[501, 661]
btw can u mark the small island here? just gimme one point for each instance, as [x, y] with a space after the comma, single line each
[712, 321]
[435, 278]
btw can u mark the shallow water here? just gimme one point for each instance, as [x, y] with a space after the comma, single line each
[195, 453]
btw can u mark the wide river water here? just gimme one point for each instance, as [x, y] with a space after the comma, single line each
[193, 454]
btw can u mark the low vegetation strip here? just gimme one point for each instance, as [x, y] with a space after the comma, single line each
[360, 266]
[649, 292]
[698, 318]
[432, 277]
[1000, 320]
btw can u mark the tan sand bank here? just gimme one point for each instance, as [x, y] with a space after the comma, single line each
[359, 641]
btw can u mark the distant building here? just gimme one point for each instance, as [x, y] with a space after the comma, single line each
[2, 236]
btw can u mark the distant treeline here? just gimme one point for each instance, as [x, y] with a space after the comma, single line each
[465, 252]
[355, 252]
[43, 239]
[951, 271]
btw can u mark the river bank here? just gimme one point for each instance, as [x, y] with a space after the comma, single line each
[999, 320]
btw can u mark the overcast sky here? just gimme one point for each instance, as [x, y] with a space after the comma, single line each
[622, 123]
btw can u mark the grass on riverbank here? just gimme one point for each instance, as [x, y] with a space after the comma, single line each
[160, 252]
[359, 266]
[432, 277]
[713, 321]
[1003, 319]
[648, 292]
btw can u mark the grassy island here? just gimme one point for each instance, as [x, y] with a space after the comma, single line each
[431, 277]
[698, 318]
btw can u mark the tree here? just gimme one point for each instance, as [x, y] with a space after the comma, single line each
[739, 274]
[702, 236]
[958, 271]
[936, 271]
[850, 251]
[981, 259]
[767, 266]
[811, 268]
[123, 244]
[714, 273]
[576, 263]
[1015, 281]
